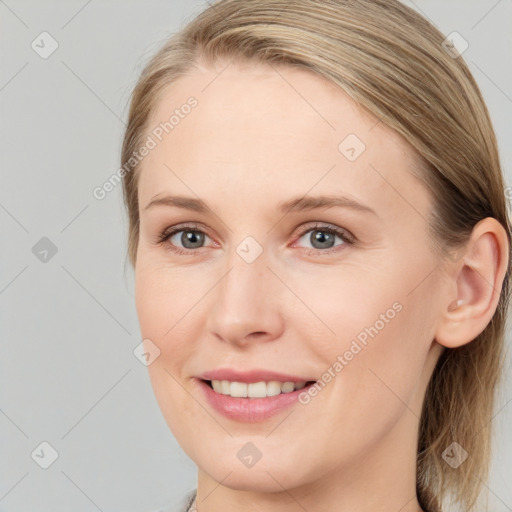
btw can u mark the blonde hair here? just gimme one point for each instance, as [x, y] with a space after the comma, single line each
[392, 62]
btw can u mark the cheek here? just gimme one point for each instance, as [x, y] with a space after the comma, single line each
[395, 350]
[174, 402]
[162, 315]
[163, 296]
[163, 320]
[384, 379]
[377, 381]
[379, 338]
[342, 307]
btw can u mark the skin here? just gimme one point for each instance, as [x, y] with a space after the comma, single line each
[296, 308]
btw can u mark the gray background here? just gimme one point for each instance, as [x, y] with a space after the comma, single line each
[68, 375]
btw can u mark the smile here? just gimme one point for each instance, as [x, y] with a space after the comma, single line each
[251, 402]
[260, 389]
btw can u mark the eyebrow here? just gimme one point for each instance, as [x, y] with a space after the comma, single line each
[303, 203]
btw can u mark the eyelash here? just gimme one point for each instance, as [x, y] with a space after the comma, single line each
[348, 238]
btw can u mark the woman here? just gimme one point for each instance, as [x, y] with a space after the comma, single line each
[321, 245]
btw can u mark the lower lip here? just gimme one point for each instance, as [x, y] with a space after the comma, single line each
[250, 410]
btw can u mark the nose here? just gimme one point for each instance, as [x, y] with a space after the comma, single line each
[247, 303]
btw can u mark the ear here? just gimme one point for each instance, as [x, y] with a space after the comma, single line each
[477, 276]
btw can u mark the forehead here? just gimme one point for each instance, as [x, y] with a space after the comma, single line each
[271, 130]
[264, 101]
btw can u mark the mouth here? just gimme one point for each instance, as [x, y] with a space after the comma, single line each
[252, 402]
[262, 389]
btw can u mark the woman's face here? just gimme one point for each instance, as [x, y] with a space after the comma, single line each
[249, 284]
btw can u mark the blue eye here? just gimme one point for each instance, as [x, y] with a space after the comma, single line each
[191, 238]
[194, 238]
[322, 238]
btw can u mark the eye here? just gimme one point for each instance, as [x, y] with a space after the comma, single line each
[186, 239]
[322, 237]
[190, 237]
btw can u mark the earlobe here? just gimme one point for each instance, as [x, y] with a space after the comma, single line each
[478, 278]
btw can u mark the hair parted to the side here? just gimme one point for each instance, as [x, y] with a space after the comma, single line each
[391, 61]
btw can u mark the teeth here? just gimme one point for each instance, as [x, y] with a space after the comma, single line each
[256, 389]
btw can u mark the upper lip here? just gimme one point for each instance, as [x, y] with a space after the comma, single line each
[250, 376]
